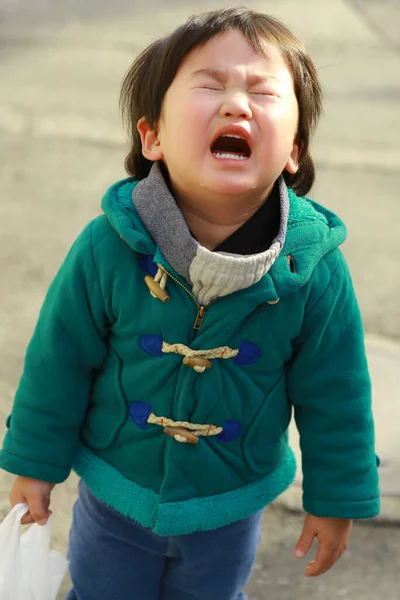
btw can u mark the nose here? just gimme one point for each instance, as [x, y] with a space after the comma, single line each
[236, 104]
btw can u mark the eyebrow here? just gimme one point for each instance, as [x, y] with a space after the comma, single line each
[222, 75]
[218, 74]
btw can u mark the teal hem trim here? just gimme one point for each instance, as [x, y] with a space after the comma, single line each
[184, 517]
[115, 490]
[204, 514]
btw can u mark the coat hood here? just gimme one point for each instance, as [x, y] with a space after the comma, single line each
[308, 232]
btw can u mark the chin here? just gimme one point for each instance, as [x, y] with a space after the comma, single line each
[232, 186]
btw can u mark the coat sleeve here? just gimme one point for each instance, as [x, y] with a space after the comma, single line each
[68, 345]
[329, 387]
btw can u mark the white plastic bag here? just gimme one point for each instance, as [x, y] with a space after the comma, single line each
[29, 570]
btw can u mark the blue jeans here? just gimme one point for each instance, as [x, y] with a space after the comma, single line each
[114, 558]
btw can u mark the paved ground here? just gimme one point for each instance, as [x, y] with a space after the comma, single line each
[61, 145]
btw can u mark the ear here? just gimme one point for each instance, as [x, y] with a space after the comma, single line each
[292, 165]
[151, 148]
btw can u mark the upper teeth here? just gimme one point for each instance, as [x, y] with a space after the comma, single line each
[239, 137]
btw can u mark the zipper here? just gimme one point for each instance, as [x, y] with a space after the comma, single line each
[201, 310]
[201, 313]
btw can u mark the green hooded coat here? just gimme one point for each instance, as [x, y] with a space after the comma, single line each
[99, 386]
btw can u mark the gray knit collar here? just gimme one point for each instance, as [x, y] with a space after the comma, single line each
[211, 274]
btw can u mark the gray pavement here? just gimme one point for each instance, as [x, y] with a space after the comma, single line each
[61, 145]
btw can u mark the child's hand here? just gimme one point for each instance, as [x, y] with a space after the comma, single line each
[333, 538]
[34, 493]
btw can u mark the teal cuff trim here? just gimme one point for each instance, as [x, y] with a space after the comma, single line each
[27, 468]
[180, 518]
[363, 509]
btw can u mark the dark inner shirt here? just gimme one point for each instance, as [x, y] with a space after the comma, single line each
[258, 233]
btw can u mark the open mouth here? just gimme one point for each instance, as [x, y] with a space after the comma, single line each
[231, 146]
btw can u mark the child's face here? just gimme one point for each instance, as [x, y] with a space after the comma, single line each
[225, 87]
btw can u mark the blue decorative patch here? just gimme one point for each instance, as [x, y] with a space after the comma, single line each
[139, 413]
[249, 353]
[147, 264]
[231, 431]
[152, 344]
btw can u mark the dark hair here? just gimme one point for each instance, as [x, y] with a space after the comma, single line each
[153, 71]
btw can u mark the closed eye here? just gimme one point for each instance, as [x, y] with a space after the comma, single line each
[213, 89]
[272, 94]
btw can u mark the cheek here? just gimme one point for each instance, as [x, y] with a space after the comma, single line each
[279, 123]
[197, 113]
[185, 120]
